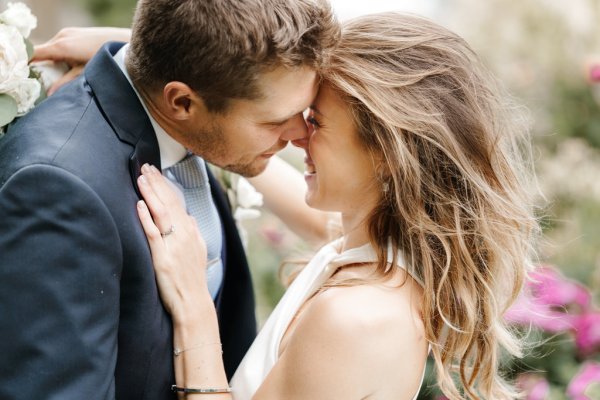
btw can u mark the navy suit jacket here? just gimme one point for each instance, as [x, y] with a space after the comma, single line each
[80, 313]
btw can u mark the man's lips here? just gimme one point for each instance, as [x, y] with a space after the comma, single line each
[270, 153]
[267, 155]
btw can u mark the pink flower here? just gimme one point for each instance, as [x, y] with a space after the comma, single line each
[587, 332]
[595, 73]
[528, 311]
[273, 235]
[535, 387]
[584, 381]
[552, 288]
[550, 302]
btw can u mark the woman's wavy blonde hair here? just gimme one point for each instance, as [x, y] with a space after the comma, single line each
[456, 160]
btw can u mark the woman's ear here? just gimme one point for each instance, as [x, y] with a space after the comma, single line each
[182, 102]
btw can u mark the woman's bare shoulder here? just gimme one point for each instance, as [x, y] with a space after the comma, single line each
[369, 309]
[373, 332]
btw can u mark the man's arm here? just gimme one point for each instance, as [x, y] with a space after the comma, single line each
[60, 260]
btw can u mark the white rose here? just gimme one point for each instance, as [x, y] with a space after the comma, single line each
[19, 16]
[50, 71]
[13, 58]
[25, 92]
[247, 196]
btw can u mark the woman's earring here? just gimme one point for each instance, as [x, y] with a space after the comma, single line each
[386, 187]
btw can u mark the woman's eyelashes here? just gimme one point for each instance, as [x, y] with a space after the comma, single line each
[313, 121]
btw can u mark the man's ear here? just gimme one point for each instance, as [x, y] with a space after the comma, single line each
[182, 102]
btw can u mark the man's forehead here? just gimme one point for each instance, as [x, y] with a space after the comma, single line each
[286, 92]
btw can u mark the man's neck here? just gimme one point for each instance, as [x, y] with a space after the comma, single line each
[171, 151]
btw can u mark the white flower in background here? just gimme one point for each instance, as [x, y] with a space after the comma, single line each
[247, 196]
[13, 58]
[245, 213]
[25, 92]
[242, 197]
[19, 16]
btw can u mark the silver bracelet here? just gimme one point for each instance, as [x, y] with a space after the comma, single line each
[176, 388]
[177, 351]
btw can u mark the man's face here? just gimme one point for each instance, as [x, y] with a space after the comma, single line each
[251, 131]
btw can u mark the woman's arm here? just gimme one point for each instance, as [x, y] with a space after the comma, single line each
[283, 188]
[75, 47]
[180, 260]
[78, 45]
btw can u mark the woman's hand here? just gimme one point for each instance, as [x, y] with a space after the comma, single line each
[178, 250]
[75, 47]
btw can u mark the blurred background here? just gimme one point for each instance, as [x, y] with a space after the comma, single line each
[543, 50]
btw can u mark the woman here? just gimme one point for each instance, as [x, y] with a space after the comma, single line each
[410, 140]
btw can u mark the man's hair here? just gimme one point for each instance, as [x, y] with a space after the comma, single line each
[220, 47]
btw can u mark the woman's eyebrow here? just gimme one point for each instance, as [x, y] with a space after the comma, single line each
[315, 109]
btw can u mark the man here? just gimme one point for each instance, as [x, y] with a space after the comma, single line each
[80, 314]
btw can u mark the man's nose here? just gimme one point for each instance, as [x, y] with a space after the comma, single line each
[302, 141]
[296, 129]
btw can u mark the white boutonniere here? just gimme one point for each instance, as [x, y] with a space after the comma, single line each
[20, 86]
[243, 198]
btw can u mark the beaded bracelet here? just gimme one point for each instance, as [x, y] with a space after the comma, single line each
[176, 388]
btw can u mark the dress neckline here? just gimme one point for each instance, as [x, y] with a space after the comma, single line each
[366, 253]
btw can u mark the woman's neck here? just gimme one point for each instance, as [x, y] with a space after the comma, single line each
[355, 230]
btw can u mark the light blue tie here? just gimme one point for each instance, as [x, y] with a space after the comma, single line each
[190, 173]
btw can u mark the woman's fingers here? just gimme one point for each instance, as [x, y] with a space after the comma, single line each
[164, 191]
[78, 45]
[179, 257]
[67, 45]
[150, 228]
[159, 212]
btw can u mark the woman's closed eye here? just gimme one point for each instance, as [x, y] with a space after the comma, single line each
[313, 121]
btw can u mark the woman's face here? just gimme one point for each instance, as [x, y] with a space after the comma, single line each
[340, 171]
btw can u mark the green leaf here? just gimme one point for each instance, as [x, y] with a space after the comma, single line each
[29, 47]
[8, 109]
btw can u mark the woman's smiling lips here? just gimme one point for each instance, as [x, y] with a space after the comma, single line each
[310, 170]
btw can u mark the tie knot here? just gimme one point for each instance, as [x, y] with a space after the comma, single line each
[190, 172]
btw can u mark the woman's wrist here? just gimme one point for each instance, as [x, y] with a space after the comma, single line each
[196, 311]
[194, 330]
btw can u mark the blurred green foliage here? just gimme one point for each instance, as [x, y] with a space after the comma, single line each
[575, 112]
[110, 12]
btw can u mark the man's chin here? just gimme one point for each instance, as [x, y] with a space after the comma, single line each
[249, 170]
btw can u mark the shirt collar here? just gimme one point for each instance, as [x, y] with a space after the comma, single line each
[171, 151]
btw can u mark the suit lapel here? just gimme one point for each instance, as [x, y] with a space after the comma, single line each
[123, 110]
